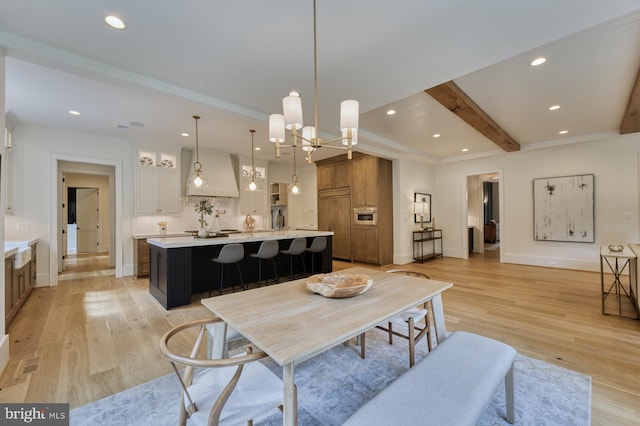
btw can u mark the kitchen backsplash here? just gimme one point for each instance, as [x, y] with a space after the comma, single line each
[225, 216]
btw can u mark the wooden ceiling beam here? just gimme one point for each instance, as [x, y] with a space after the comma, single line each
[455, 100]
[631, 118]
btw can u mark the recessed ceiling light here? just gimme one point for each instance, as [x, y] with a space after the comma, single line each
[257, 148]
[563, 132]
[74, 112]
[538, 61]
[115, 22]
[436, 135]
[554, 107]
[391, 112]
[465, 149]
[185, 134]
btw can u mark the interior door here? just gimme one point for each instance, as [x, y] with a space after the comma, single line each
[87, 212]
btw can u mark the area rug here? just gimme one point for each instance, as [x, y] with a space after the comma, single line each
[335, 383]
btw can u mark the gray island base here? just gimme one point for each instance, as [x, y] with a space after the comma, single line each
[180, 267]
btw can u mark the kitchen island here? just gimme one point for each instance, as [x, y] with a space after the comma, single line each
[182, 266]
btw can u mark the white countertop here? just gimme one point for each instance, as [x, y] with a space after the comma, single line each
[159, 235]
[11, 247]
[181, 242]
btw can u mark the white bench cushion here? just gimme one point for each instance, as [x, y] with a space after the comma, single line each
[452, 385]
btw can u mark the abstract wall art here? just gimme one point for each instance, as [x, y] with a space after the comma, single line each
[563, 209]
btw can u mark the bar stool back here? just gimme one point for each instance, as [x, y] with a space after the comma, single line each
[268, 250]
[296, 248]
[317, 245]
[230, 254]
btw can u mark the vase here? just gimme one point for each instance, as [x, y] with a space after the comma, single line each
[202, 232]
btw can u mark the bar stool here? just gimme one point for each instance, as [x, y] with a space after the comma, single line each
[317, 245]
[296, 248]
[230, 253]
[268, 250]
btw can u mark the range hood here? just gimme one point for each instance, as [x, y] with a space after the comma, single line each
[218, 170]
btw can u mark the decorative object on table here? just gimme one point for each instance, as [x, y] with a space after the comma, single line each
[204, 207]
[249, 222]
[162, 227]
[421, 208]
[616, 248]
[338, 285]
[563, 209]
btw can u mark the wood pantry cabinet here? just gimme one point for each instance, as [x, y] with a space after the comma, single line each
[365, 181]
[368, 180]
[334, 214]
[157, 182]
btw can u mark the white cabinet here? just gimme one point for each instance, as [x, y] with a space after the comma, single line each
[253, 202]
[157, 181]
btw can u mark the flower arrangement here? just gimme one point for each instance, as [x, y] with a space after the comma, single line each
[204, 207]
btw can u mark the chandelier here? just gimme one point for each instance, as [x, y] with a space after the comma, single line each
[309, 139]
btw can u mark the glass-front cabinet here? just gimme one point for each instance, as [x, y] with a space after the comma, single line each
[157, 181]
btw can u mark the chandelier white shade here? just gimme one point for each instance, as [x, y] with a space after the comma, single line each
[291, 119]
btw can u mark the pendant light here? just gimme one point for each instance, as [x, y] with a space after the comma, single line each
[252, 184]
[295, 185]
[197, 179]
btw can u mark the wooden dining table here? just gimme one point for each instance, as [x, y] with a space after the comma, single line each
[292, 324]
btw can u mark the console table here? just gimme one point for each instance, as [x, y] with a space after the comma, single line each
[617, 263]
[427, 244]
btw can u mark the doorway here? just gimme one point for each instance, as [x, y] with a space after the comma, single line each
[484, 214]
[83, 220]
[87, 196]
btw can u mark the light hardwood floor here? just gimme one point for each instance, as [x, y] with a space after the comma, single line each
[95, 335]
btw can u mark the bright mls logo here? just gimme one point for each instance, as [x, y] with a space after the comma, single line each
[34, 414]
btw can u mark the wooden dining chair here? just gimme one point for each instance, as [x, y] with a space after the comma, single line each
[409, 320]
[220, 391]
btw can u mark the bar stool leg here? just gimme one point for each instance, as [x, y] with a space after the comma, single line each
[275, 270]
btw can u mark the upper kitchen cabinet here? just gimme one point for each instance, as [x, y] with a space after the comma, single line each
[334, 173]
[365, 180]
[157, 181]
[254, 202]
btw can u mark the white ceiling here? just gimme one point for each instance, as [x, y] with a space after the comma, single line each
[232, 62]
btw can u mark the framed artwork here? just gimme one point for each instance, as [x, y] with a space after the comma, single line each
[422, 204]
[563, 209]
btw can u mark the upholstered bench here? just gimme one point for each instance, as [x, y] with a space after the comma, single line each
[452, 385]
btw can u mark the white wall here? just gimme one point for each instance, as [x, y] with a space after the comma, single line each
[4, 338]
[33, 150]
[613, 161]
[409, 177]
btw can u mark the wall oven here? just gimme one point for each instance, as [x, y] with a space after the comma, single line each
[365, 215]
